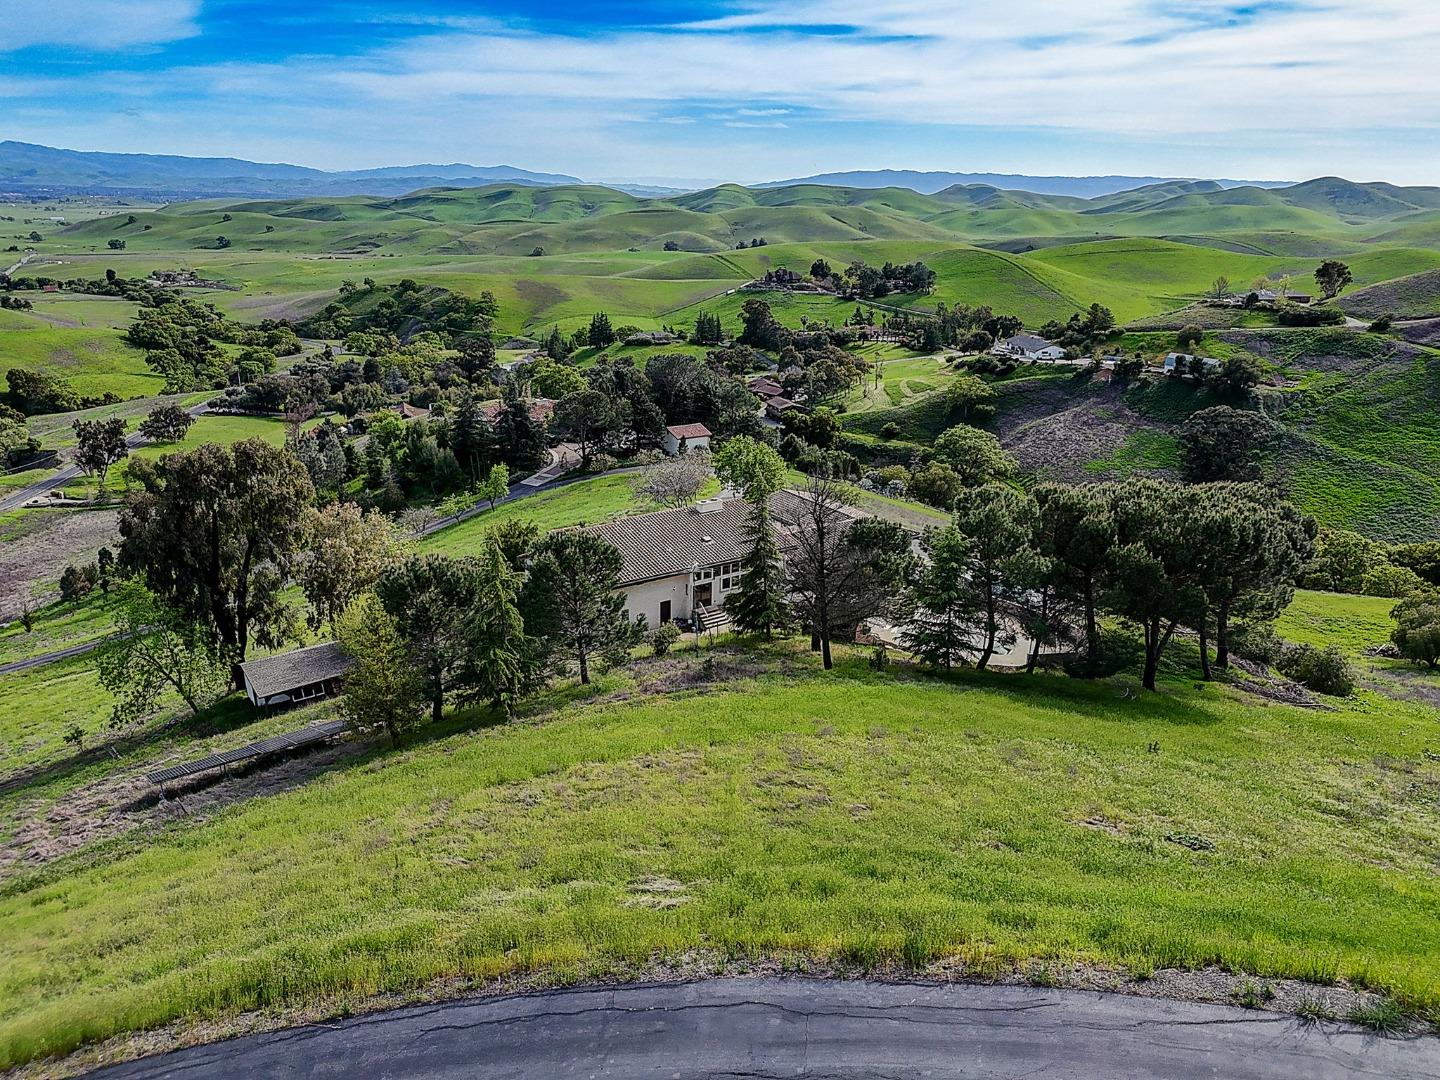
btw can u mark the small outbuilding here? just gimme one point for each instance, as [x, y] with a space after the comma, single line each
[1030, 347]
[297, 676]
[680, 438]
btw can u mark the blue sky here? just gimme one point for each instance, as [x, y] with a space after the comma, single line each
[748, 91]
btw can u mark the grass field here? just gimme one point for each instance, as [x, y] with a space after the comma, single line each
[862, 816]
[588, 502]
[95, 359]
[1355, 623]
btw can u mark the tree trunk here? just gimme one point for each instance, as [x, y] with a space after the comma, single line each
[437, 705]
[1222, 636]
[825, 652]
[1152, 652]
[814, 641]
[1092, 629]
[990, 629]
[584, 659]
[1204, 649]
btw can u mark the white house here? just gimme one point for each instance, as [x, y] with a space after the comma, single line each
[295, 676]
[683, 564]
[1183, 364]
[1030, 347]
[682, 437]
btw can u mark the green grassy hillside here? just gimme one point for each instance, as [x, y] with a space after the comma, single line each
[862, 817]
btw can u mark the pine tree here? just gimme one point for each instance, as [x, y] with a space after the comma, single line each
[944, 606]
[498, 632]
[758, 605]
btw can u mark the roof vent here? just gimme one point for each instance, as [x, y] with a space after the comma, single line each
[709, 506]
[706, 540]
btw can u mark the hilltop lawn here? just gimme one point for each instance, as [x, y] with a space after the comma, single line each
[861, 816]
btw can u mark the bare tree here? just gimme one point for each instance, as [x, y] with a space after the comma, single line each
[677, 481]
[841, 569]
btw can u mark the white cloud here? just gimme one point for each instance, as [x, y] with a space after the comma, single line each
[1275, 89]
[105, 25]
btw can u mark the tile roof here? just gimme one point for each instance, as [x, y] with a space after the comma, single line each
[668, 542]
[541, 409]
[300, 667]
[689, 431]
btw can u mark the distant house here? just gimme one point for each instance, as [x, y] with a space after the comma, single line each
[412, 412]
[680, 438]
[296, 676]
[683, 564]
[1029, 347]
[1183, 364]
[765, 387]
[540, 409]
[778, 406]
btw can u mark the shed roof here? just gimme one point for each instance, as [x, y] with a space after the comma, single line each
[277, 674]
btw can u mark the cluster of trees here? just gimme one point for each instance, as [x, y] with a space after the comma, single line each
[970, 329]
[403, 310]
[865, 282]
[438, 631]
[32, 393]
[137, 290]
[424, 461]
[17, 445]
[1158, 555]
[1346, 562]
[179, 338]
[1083, 333]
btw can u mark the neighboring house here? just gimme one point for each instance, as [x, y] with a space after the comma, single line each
[680, 438]
[412, 412]
[1030, 347]
[1183, 364]
[296, 676]
[765, 387]
[540, 409]
[682, 564]
[778, 406]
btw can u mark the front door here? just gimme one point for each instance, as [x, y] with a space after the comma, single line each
[703, 594]
[664, 612]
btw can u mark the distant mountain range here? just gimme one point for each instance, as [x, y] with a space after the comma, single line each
[30, 169]
[928, 183]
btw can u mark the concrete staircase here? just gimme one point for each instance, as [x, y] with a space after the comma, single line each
[707, 619]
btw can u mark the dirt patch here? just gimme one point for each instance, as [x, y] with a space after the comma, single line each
[1406, 683]
[1422, 333]
[1058, 446]
[1259, 680]
[41, 543]
[122, 803]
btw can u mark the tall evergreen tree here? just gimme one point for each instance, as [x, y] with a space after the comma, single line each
[758, 605]
[497, 643]
[940, 630]
[998, 523]
[571, 600]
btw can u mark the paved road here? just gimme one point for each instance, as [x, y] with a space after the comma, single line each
[808, 1028]
[17, 499]
[51, 657]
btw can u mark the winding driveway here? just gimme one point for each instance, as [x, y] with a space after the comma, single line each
[771, 1027]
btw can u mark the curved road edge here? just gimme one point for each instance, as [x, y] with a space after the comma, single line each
[783, 1027]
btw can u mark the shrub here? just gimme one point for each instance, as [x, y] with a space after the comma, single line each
[77, 582]
[602, 463]
[1326, 671]
[1258, 643]
[1118, 652]
[1417, 630]
[663, 637]
[890, 430]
